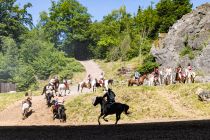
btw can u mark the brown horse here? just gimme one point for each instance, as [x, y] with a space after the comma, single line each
[181, 79]
[138, 82]
[84, 85]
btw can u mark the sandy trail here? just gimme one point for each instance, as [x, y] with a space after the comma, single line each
[42, 115]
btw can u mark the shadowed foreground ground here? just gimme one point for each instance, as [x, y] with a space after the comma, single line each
[185, 130]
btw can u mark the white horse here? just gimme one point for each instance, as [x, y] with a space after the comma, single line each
[63, 89]
[150, 79]
[168, 78]
[190, 76]
[96, 84]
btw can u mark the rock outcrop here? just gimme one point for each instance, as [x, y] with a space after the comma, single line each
[188, 41]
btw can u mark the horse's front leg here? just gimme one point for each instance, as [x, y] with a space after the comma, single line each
[99, 118]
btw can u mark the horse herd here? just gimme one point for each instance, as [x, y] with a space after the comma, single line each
[164, 78]
[95, 83]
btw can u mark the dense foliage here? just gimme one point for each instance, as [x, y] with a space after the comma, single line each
[27, 56]
[67, 25]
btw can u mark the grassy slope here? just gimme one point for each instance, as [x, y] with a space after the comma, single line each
[146, 103]
[8, 98]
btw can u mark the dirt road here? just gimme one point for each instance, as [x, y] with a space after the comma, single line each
[42, 115]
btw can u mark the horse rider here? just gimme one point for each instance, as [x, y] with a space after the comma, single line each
[101, 79]
[110, 97]
[168, 71]
[65, 82]
[27, 99]
[59, 101]
[179, 71]
[136, 75]
[56, 83]
[189, 67]
[51, 86]
[156, 72]
[89, 78]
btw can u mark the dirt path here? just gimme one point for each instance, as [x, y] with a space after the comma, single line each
[42, 115]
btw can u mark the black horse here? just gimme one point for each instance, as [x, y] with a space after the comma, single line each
[58, 112]
[115, 108]
[48, 87]
[49, 96]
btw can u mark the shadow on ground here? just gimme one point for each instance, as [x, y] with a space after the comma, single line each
[182, 130]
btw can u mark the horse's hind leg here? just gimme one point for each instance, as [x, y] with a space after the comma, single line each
[117, 118]
[104, 118]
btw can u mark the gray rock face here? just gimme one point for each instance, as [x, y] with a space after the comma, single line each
[191, 31]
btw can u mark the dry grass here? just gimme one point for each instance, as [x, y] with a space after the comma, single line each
[146, 103]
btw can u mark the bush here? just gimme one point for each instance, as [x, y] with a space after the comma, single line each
[148, 65]
[187, 51]
[24, 76]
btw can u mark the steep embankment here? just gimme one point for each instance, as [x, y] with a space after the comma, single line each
[188, 40]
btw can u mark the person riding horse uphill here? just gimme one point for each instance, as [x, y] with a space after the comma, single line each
[101, 79]
[136, 75]
[110, 99]
[156, 72]
[179, 71]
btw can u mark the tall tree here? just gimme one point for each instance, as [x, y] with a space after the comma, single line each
[169, 11]
[66, 25]
[13, 19]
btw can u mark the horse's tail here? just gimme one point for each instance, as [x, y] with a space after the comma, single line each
[44, 90]
[78, 87]
[126, 107]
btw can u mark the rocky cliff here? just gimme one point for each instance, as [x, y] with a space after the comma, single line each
[188, 41]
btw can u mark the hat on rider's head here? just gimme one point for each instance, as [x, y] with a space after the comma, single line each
[52, 80]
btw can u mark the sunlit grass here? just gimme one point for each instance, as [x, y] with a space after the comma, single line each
[8, 98]
[177, 101]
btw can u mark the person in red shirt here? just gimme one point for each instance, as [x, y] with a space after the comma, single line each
[189, 67]
[179, 71]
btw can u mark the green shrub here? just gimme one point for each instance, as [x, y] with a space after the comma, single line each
[148, 64]
[187, 51]
[24, 77]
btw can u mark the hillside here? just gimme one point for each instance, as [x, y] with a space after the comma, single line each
[162, 103]
[188, 41]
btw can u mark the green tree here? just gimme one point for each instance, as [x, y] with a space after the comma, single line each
[169, 11]
[67, 26]
[13, 19]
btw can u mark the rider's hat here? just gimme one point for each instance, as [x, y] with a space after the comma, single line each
[52, 80]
